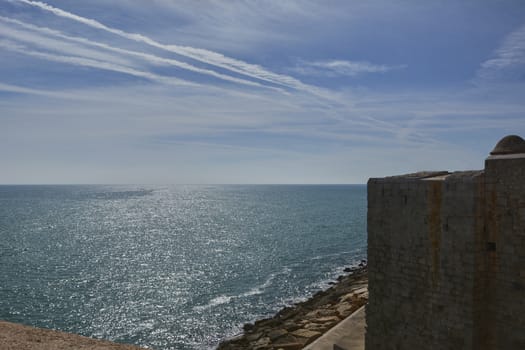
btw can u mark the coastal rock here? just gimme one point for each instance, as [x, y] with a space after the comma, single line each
[254, 336]
[361, 291]
[327, 320]
[262, 344]
[291, 346]
[308, 334]
[355, 296]
[317, 327]
[291, 326]
[269, 322]
[286, 339]
[288, 312]
[277, 333]
[344, 309]
[320, 313]
[347, 298]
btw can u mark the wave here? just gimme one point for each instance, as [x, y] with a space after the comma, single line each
[324, 256]
[332, 277]
[221, 299]
[257, 290]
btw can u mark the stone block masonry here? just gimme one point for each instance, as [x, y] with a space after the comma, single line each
[446, 257]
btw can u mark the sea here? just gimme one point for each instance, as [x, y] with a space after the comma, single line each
[171, 267]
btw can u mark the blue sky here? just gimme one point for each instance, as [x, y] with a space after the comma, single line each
[160, 91]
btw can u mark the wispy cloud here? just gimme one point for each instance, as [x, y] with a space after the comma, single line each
[334, 68]
[86, 62]
[507, 58]
[39, 92]
[157, 60]
[206, 56]
[41, 41]
[248, 112]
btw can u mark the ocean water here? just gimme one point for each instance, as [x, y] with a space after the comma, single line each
[171, 267]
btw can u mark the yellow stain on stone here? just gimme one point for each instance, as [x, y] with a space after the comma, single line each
[493, 230]
[434, 226]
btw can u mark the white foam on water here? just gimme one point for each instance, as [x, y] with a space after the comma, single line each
[257, 290]
[221, 299]
[260, 288]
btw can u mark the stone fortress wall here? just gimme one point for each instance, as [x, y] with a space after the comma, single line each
[446, 257]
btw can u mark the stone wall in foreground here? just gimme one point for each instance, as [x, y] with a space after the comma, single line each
[446, 259]
[504, 224]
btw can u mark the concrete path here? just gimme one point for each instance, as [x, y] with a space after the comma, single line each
[349, 334]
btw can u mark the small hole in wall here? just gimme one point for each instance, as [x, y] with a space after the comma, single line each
[406, 199]
[491, 246]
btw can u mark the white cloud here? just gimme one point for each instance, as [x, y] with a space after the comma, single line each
[206, 56]
[86, 62]
[334, 68]
[163, 129]
[40, 42]
[157, 60]
[260, 134]
[38, 92]
[508, 60]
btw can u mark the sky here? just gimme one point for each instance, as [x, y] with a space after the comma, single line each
[248, 92]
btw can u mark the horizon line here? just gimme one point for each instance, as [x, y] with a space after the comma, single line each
[180, 184]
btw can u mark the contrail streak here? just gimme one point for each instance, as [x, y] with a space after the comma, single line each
[148, 57]
[202, 55]
[87, 62]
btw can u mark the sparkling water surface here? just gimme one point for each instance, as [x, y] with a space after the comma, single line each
[170, 267]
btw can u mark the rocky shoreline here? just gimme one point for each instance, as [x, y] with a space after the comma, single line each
[294, 327]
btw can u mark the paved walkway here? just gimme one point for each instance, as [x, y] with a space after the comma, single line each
[349, 334]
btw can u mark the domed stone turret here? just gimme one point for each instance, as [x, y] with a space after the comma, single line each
[511, 144]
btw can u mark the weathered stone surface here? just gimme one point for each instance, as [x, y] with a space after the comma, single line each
[291, 346]
[261, 344]
[364, 295]
[347, 297]
[306, 333]
[253, 336]
[321, 313]
[288, 312]
[291, 326]
[276, 333]
[327, 319]
[445, 253]
[286, 339]
[360, 291]
[317, 327]
[509, 145]
[344, 309]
